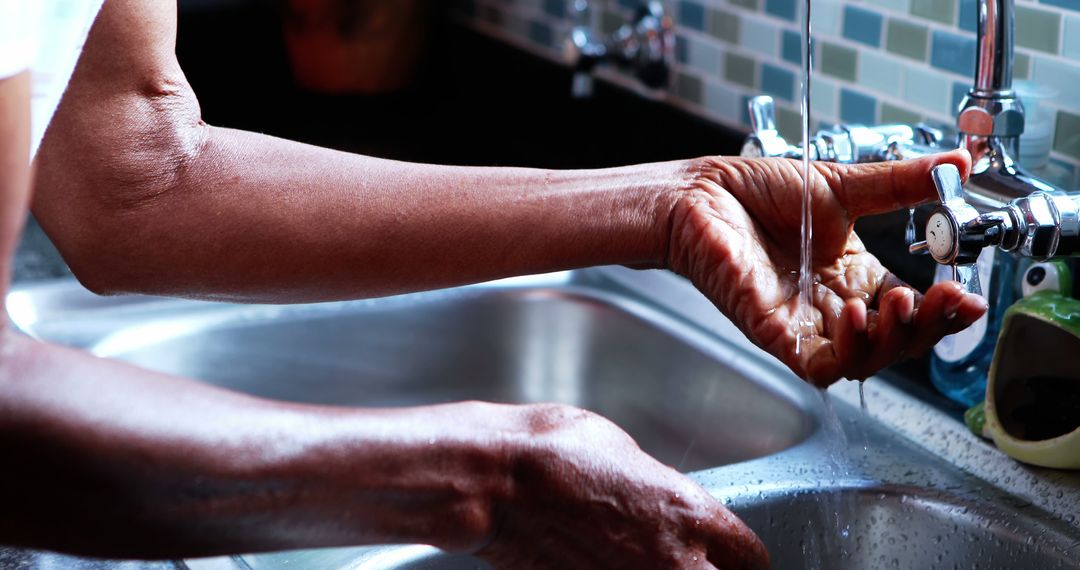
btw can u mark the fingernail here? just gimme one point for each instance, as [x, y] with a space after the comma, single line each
[953, 307]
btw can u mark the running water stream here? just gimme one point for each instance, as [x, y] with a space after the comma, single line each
[804, 311]
[828, 537]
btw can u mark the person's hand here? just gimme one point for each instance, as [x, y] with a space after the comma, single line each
[735, 232]
[585, 496]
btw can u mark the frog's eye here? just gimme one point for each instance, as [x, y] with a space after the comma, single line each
[1048, 276]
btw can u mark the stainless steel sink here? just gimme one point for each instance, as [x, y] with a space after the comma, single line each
[686, 399]
[901, 527]
[673, 374]
[807, 527]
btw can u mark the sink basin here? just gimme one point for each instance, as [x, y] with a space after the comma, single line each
[689, 401]
[828, 529]
[895, 527]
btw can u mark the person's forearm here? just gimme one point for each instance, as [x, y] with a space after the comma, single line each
[255, 218]
[260, 218]
[105, 459]
[140, 195]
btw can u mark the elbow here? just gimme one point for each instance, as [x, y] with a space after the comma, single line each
[105, 178]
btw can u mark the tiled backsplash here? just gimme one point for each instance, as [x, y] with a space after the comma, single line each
[876, 60]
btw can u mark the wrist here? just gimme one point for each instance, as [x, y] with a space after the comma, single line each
[652, 194]
[435, 474]
[671, 199]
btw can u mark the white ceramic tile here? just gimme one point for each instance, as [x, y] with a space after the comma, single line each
[723, 101]
[760, 36]
[928, 90]
[879, 72]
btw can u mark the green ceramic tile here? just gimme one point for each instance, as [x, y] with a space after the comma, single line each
[741, 70]
[749, 4]
[789, 123]
[838, 61]
[892, 114]
[907, 39]
[1067, 137]
[943, 11]
[1021, 66]
[724, 25]
[1038, 29]
[689, 88]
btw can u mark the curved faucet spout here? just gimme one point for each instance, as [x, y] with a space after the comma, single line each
[994, 67]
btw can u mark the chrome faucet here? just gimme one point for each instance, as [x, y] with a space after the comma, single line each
[848, 144]
[1001, 205]
[1040, 225]
[645, 45]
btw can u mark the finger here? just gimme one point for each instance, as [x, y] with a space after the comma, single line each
[945, 309]
[734, 546]
[894, 330]
[829, 306]
[833, 358]
[852, 343]
[865, 189]
[890, 281]
[699, 561]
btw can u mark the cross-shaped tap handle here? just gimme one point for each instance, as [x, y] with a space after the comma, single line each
[955, 233]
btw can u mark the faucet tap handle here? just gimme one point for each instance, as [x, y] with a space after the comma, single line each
[765, 141]
[956, 233]
[762, 114]
[947, 181]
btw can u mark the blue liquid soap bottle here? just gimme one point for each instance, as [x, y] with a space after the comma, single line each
[960, 362]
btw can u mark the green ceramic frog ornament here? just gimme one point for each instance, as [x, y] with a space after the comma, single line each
[1032, 408]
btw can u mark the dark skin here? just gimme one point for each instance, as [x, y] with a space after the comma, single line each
[140, 195]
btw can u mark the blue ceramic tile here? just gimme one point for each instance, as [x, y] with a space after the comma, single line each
[863, 26]
[692, 15]
[953, 52]
[781, 9]
[778, 82]
[791, 47]
[969, 15]
[959, 90]
[857, 108]
[744, 112]
[1070, 4]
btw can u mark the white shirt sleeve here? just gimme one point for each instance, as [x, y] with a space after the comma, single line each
[19, 29]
